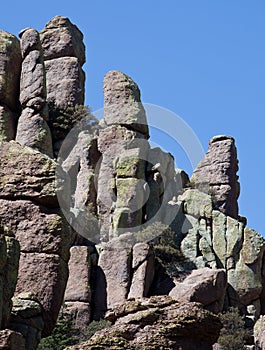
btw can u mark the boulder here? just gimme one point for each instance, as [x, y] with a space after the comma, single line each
[34, 271]
[216, 174]
[65, 82]
[26, 174]
[26, 318]
[122, 103]
[143, 265]
[206, 286]
[259, 333]
[61, 38]
[156, 323]
[78, 284]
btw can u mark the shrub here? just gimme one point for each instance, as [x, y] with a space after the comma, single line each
[233, 333]
[61, 121]
[62, 336]
[95, 326]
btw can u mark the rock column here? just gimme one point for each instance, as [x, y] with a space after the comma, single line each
[10, 65]
[217, 175]
[123, 144]
[32, 129]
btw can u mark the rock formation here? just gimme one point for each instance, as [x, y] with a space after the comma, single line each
[32, 128]
[156, 253]
[156, 323]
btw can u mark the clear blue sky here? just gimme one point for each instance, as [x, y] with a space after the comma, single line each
[202, 59]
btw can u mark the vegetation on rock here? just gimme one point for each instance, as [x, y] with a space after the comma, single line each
[233, 334]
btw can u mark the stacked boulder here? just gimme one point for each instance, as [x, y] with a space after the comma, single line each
[30, 80]
[32, 128]
[29, 207]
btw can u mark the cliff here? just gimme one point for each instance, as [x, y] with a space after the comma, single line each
[94, 217]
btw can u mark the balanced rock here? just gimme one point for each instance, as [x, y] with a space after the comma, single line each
[122, 103]
[216, 174]
[64, 55]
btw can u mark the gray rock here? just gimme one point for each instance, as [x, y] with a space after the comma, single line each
[78, 284]
[65, 82]
[143, 265]
[61, 38]
[33, 131]
[10, 340]
[217, 174]
[7, 124]
[206, 286]
[122, 104]
[10, 65]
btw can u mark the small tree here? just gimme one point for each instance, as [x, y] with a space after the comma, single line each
[233, 333]
[62, 336]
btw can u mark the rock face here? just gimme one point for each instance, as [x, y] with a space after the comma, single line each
[64, 55]
[125, 270]
[10, 340]
[216, 175]
[156, 231]
[9, 260]
[26, 318]
[157, 323]
[10, 65]
[206, 286]
[32, 128]
[29, 208]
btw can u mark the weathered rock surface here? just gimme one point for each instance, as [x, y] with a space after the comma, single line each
[32, 129]
[216, 174]
[26, 318]
[157, 323]
[10, 65]
[259, 334]
[34, 271]
[26, 174]
[206, 286]
[64, 55]
[61, 38]
[9, 260]
[122, 103]
[10, 340]
[7, 124]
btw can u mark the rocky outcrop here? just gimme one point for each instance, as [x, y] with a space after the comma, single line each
[217, 174]
[64, 55]
[125, 270]
[26, 318]
[32, 128]
[156, 323]
[206, 286]
[78, 291]
[9, 260]
[123, 145]
[10, 65]
[29, 207]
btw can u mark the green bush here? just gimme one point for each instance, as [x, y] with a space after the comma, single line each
[95, 326]
[62, 336]
[61, 121]
[233, 333]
